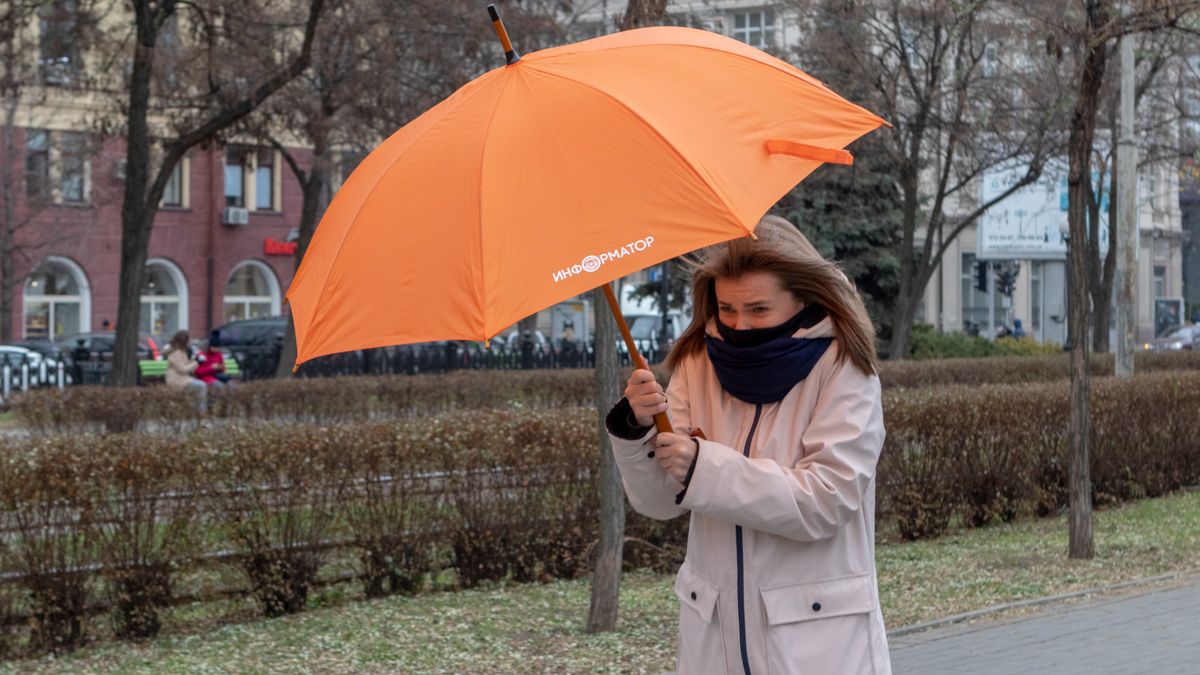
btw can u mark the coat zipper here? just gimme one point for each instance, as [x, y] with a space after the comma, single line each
[741, 570]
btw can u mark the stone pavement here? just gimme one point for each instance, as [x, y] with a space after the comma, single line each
[1155, 631]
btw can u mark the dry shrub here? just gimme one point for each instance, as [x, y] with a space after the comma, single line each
[277, 492]
[142, 490]
[51, 524]
[1020, 369]
[915, 473]
[386, 508]
[517, 490]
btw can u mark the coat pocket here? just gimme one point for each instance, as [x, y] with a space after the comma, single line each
[820, 626]
[696, 592]
[701, 645]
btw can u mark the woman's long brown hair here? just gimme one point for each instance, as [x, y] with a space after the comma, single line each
[781, 250]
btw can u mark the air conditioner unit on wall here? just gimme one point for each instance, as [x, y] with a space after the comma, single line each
[236, 215]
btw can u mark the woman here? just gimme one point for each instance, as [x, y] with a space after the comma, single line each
[777, 371]
[212, 363]
[180, 368]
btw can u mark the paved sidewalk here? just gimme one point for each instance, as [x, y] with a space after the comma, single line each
[1153, 632]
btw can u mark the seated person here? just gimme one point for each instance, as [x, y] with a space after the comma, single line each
[212, 363]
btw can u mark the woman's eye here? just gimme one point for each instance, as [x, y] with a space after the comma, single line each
[760, 310]
[726, 310]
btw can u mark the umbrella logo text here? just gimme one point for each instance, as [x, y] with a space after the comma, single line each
[593, 263]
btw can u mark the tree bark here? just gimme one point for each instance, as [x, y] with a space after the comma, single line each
[1079, 148]
[606, 574]
[7, 162]
[135, 232]
[315, 185]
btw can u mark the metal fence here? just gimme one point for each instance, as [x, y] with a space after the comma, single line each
[20, 372]
[261, 362]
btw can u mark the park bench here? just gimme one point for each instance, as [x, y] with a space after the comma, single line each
[155, 370]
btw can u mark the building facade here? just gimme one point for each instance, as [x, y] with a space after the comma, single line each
[222, 246]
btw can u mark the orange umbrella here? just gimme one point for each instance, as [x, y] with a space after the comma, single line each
[555, 174]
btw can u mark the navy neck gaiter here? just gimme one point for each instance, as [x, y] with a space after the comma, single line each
[761, 365]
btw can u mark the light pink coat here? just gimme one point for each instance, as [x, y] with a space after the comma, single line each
[780, 567]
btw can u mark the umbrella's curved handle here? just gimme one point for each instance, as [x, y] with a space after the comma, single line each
[782, 146]
[660, 420]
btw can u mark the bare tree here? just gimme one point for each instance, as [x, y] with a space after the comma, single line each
[179, 69]
[1087, 30]
[958, 110]
[1165, 94]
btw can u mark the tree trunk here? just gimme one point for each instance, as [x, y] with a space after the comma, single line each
[606, 575]
[1079, 148]
[316, 188]
[135, 221]
[902, 323]
[905, 307]
[8, 228]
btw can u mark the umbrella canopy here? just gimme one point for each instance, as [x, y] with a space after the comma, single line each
[558, 173]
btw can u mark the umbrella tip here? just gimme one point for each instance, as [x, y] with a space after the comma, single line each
[510, 55]
[295, 367]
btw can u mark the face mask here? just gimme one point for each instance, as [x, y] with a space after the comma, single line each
[754, 337]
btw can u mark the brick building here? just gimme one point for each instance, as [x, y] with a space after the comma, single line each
[219, 250]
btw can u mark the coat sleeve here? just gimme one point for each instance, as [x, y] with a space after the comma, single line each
[824, 490]
[651, 490]
[179, 362]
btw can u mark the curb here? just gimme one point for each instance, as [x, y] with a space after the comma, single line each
[1031, 602]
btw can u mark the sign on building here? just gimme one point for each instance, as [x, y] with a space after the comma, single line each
[1026, 225]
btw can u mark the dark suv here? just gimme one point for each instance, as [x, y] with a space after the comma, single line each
[255, 343]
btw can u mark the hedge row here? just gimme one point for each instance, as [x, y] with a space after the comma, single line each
[386, 397]
[494, 494]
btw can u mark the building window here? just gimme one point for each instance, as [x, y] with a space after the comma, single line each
[73, 167]
[164, 299]
[37, 164]
[1160, 281]
[57, 301]
[58, 43]
[756, 28]
[173, 192]
[264, 180]
[235, 176]
[251, 178]
[252, 292]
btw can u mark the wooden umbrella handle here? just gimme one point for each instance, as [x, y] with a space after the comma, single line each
[660, 420]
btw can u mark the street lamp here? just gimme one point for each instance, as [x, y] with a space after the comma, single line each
[1064, 230]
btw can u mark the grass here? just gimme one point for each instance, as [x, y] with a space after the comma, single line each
[538, 628]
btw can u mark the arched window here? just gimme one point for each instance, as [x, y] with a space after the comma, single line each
[57, 300]
[252, 292]
[164, 299]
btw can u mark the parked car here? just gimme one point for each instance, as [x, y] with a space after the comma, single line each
[15, 356]
[99, 346]
[46, 348]
[255, 343]
[1183, 337]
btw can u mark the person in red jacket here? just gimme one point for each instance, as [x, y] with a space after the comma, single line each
[211, 370]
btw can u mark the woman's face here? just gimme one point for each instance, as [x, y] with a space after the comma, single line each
[754, 300]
